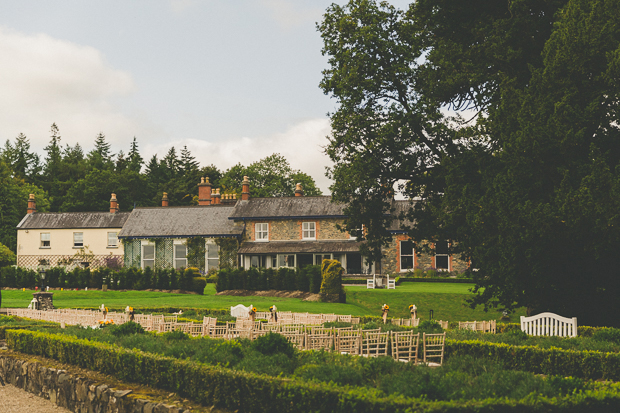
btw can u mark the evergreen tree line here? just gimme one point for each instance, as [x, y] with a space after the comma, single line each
[68, 179]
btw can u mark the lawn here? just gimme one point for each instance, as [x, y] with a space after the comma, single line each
[446, 300]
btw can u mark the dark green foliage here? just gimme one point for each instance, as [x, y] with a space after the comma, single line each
[175, 335]
[529, 189]
[272, 343]
[125, 278]
[128, 328]
[430, 327]
[608, 334]
[260, 279]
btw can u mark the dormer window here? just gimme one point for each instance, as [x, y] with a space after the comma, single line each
[261, 231]
[308, 230]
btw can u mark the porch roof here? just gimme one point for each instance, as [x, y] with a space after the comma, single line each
[299, 247]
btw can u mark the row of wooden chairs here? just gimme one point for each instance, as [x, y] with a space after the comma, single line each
[483, 326]
[288, 317]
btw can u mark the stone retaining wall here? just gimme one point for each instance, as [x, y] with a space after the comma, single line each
[77, 394]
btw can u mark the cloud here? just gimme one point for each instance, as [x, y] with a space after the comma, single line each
[302, 145]
[45, 80]
[290, 14]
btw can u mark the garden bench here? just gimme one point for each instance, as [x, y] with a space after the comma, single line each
[434, 345]
[549, 324]
[391, 284]
[370, 283]
[405, 346]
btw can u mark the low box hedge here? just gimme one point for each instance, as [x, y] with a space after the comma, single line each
[247, 392]
[551, 361]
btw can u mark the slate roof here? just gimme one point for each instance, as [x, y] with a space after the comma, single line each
[287, 247]
[288, 207]
[180, 222]
[71, 220]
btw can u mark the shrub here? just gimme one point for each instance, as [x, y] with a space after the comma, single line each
[127, 329]
[430, 327]
[175, 335]
[607, 334]
[198, 285]
[272, 343]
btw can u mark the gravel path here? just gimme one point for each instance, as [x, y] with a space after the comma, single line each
[16, 400]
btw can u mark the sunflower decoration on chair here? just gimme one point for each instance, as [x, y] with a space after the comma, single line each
[385, 308]
[252, 313]
[130, 313]
[274, 313]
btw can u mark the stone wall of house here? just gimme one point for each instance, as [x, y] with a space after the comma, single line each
[391, 260]
[77, 394]
[291, 229]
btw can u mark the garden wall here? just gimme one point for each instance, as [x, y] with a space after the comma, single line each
[77, 394]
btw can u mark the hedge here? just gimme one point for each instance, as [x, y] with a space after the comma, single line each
[129, 278]
[247, 392]
[307, 279]
[552, 361]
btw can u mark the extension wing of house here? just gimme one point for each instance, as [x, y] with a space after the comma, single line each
[176, 237]
[70, 238]
[295, 231]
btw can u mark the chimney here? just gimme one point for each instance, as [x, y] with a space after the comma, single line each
[245, 189]
[228, 199]
[113, 204]
[216, 197]
[164, 200]
[32, 205]
[204, 192]
[298, 190]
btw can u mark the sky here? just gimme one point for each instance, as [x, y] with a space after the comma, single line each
[233, 80]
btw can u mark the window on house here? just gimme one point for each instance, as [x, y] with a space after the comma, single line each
[406, 255]
[442, 261]
[212, 257]
[318, 258]
[46, 240]
[180, 256]
[308, 230]
[259, 261]
[356, 234]
[148, 256]
[261, 231]
[286, 260]
[78, 239]
[112, 239]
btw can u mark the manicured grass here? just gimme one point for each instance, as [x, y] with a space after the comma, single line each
[446, 300]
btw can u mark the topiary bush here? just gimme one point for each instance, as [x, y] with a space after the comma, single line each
[331, 286]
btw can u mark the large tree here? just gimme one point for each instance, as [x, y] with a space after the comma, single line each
[270, 176]
[529, 187]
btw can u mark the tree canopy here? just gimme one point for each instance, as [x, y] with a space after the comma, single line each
[500, 122]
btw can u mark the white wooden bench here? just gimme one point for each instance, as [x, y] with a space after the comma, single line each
[549, 324]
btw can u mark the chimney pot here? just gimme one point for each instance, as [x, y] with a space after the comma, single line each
[164, 199]
[299, 190]
[113, 204]
[245, 189]
[204, 191]
[216, 196]
[32, 205]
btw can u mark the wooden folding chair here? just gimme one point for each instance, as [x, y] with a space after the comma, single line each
[298, 339]
[347, 341]
[374, 344]
[405, 346]
[323, 341]
[434, 348]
